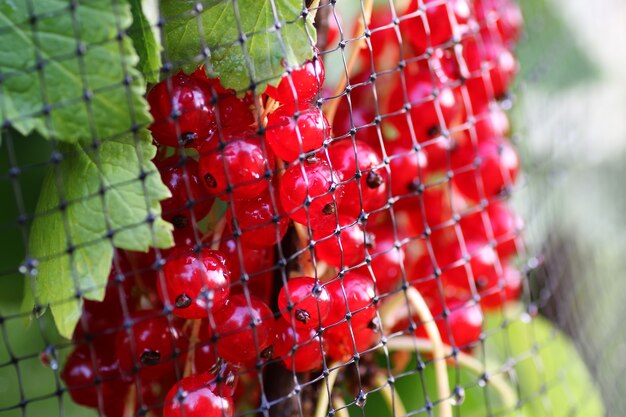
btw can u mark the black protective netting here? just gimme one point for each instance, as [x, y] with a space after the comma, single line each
[289, 208]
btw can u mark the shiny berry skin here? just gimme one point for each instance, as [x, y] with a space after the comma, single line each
[262, 222]
[182, 111]
[387, 259]
[197, 396]
[85, 365]
[497, 221]
[243, 330]
[233, 114]
[299, 349]
[181, 176]
[194, 283]
[154, 342]
[239, 171]
[445, 20]
[409, 169]
[302, 85]
[462, 326]
[342, 346]
[310, 302]
[507, 288]
[289, 134]
[498, 166]
[506, 14]
[344, 158]
[311, 180]
[345, 249]
[354, 294]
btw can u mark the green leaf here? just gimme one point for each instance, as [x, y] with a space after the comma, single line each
[144, 36]
[217, 28]
[551, 376]
[102, 191]
[67, 74]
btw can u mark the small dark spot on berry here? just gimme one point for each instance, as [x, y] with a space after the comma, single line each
[187, 138]
[434, 131]
[183, 301]
[210, 181]
[374, 324]
[329, 209]
[374, 180]
[266, 354]
[311, 159]
[179, 221]
[150, 357]
[302, 316]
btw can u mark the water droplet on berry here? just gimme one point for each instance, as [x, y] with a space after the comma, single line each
[49, 358]
[183, 301]
[150, 357]
[361, 399]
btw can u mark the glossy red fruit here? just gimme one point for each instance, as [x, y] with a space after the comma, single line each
[290, 134]
[444, 21]
[241, 170]
[304, 302]
[507, 288]
[387, 259]
[497, 170]
[353, 294]
[343, 344]
[491, 62]
[88, 364]
[301, 85]
[149, 346]
[300, 350]
[368, 193]
[244, 330]
[182, 111]
[461, 328]
[260, 220]
[189, 202]
[344, 249]
[196, 396]
[409, 168]
[507, 17]
[194, 283]
[307, 195]
[497, 222]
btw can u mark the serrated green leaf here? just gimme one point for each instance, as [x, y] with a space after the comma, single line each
[102, 192]
[145, 41]
[66, 73]
[217, 29]
[551, 376]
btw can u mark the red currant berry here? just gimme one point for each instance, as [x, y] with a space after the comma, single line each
[497, 221]
[301, 85]
[387, 259]
[304, 302]
[351, 295]
[194, 283]
[240, 170]
[243, 330]
[195, 396]
[182, 111]
[370, 192]
[261, 221]
[299, 349]
[343, 344]
[344, 249]
[307, 195]
[181, 176]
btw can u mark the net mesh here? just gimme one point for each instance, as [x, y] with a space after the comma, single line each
[423, 296]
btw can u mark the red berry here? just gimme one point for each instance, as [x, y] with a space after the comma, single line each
[243, 330]
[353, 294]
[149, 345]
[387, 259]
[261, 221]
[181, 176]
[307, 195]
[301, 85]
[498, 166]
[182, 111]
[370, 192]
[299, 349]
[507, 288]
[196, 396]
[344, 249]
[462, 325]
[304, 302]
[194, 283]
[409, 169]
[343, 344]
[290, 134]
[241, 170]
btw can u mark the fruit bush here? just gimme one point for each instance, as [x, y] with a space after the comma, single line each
[234, 223]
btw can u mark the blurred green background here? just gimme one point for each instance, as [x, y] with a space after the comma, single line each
[569, 120]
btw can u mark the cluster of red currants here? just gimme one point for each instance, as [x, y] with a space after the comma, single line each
[409, 189]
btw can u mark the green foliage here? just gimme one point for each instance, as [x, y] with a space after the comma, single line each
[66, 72]
[215, 29]
[551, 376]
[102, 191]
[144, 38]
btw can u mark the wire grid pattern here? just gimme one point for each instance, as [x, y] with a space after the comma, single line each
[280, 389]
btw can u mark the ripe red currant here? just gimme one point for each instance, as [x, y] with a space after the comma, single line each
[261, 221]
[344, 249]
[299, 349]
[301, 85]
[352, 295]
[304, 302]
[196, 396]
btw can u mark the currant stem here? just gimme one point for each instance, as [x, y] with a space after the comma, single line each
[218, 231]
[190, 363]
[341, 410]
[131, 402]
[497, 381]
[331, 110]
[390, 396]
[324, 398]
[306, 261]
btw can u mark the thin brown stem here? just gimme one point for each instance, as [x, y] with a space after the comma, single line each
[190, 363]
